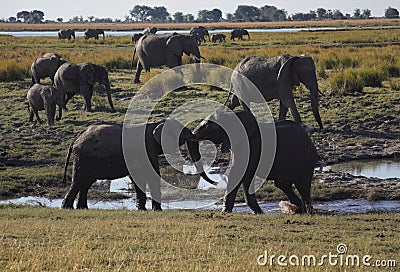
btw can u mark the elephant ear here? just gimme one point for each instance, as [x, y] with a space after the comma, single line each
[87, 73]
[288, 74]
[175, 45]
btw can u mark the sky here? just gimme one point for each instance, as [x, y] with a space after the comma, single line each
[54, 9]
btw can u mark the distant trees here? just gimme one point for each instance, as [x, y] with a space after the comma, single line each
[391, 13]
[31, 17]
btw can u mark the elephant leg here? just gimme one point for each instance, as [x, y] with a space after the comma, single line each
[37, 116]
[286, 187]
[82, 198]
[251, 197]
[68, 201]
[69, 96]
[140, 198]
[88, 102]
[31, 114]
[304, 188]
[288, 102]
[234, 102]
[139, 69]
[282, 111]
[229, 199]
[155, 186]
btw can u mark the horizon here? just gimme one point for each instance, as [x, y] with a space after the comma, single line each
[122, 7]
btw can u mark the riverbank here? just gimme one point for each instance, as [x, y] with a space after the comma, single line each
[181, 26]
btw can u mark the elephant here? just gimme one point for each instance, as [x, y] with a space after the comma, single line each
[199, 33]
[294, 161]
[239, 33]
[93, 33]
[163, 49]
[44, 97]
[136, 37]
[218, 37]
[45, 66]
[275, 78]
[73, 78]
[66, 34]
[150, 30]
[98, 154]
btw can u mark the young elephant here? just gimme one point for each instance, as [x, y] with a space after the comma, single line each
[218, 37]
[80, 78]
[99, 153]
[46, 66]
[294, 161]
[44, 97]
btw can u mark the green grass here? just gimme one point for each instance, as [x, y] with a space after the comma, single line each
[41, 239]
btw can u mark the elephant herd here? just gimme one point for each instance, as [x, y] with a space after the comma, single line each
[98, 153]
[88, 33]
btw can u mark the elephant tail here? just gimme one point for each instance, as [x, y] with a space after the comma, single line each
[67, 161]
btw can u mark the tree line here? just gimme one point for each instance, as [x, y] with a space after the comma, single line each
[243, 13]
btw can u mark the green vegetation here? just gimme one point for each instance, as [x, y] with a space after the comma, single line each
[360, 84]
[40, 239]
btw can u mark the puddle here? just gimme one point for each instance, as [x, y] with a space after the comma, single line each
[349, 206]
[382, 168]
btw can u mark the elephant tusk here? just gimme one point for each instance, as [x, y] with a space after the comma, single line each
[197, 58]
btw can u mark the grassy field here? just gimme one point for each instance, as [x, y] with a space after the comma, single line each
[40, 239]
[359, 73]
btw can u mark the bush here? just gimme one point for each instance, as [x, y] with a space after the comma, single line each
[346, 81]
[117, 62]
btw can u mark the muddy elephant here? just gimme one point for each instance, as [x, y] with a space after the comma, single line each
[199, 33]
[239, 33]
[93, 33]
[46, 66]
[218, 37]
[80, 78]
[163, 49]
[98, 154]
[66, 34]
[150, 30]
[253, 155]
[44, 97]
[136, 37]
[275, 79]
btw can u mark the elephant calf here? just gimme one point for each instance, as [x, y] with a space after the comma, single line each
[44, 97]
[99, 153]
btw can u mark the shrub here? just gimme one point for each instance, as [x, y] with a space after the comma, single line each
[117, 62]
[346, 81]
[373, 77]
[11, 70]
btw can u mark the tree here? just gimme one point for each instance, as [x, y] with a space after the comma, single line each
[266, 13]
[216, 15]
[189, 18]
[178, 17]
[91, 18]
[391, 13]
[337, 15]
[279, 15]
[140, 12]
[229, 16]
[60, 20]
[321, 13]
[366, 13]
[12, 19]
[357, 13]
[247, 13]
[158, 14]
[24, 15]
[36, 17]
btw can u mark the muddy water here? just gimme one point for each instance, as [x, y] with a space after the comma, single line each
[382, 168]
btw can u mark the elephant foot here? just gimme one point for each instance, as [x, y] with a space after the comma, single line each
[156, 206]
[136, 81]
[226, 210]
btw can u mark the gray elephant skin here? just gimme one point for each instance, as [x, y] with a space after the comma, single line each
[66, 34]
[46, 66]
[44, 97]
[93, 33]
[199, 33]
[80, 78]
[275, 78]
[136, 37]
[98, 154]
[163, 49]
[218, 37]
[294, 161]
[150, 30]
[239, 33]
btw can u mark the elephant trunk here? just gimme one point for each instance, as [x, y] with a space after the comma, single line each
[314, 106]
[194, 153]
[108, 91]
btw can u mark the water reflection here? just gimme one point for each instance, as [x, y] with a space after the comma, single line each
[383, 168]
